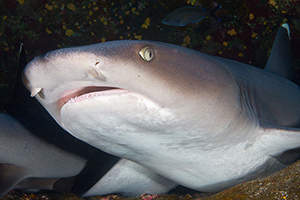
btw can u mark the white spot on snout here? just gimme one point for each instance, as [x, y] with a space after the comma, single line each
[35, 91]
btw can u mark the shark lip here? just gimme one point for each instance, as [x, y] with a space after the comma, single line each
[80, 94]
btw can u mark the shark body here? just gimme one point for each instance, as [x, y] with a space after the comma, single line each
[24, 155]
[204, 122]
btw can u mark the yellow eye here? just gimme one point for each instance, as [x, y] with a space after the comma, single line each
[147, 53]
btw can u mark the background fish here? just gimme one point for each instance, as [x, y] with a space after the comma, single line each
[189, 14]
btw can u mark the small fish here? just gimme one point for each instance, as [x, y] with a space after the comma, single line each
[189, 14]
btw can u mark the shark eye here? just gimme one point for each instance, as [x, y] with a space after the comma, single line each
[147, 53]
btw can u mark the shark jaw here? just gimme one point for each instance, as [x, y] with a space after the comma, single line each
[80, 94]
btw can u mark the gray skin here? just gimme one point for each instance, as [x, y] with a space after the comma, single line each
[28, 162]
[24, 155]
[130, 179]
[204, 122]
[37, 154]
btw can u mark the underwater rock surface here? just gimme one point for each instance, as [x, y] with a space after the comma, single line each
[282, 185]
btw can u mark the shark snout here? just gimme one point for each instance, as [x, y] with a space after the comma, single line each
[33, 90]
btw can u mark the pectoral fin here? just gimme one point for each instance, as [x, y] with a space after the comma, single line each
[282, 143]
[10, 175]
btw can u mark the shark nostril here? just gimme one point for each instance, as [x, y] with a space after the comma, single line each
[95, 73]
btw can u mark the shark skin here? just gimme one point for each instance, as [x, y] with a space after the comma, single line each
[35, 153]
[28, 162]
[204, 122]
[130, 179]
[24, 155]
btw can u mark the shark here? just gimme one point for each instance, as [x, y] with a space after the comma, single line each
[31, 163]
[23, 156]
[201, 121]
[36, 154]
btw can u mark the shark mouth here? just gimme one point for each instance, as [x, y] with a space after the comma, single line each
[80, 94]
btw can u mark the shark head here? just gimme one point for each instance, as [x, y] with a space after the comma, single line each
[132, 77]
